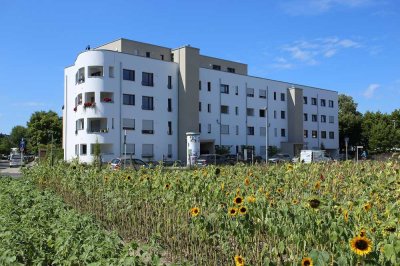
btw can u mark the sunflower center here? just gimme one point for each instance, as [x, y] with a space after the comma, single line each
[307, 263]
[361, 245]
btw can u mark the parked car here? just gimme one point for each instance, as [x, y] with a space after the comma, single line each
[175, 163]
[280, 158]
[309, 156]
[231, 158]
[211, 159]
[135, 164]
[15, 160]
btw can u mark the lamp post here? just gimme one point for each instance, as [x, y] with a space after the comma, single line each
[346, 140]
[266, 135]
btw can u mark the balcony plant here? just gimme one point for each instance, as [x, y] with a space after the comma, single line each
[107, 100]
[89, 104]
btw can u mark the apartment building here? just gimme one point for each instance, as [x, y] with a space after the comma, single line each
[139, 100]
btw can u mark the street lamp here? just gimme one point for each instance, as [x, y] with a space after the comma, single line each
[266, 134]
[346, 140]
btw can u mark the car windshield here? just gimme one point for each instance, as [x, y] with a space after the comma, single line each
[16, 157]
[115, 161]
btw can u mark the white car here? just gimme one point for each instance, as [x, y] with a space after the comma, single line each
[15, 160]
[280, 158]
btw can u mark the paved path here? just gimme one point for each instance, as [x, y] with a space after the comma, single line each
[5, 169]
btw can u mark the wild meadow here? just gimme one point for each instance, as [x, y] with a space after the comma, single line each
[290, 214]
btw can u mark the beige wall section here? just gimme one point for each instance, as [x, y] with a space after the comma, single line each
[188, 94]
[138, 48]
[295, 115]
[207, 62]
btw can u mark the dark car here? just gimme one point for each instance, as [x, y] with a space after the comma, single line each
[211, 159]
[135, 164]
[174, 163]
[280, 158]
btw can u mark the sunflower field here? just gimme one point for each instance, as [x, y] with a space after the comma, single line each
[302, 214]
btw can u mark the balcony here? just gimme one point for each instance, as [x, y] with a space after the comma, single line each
[97, 125]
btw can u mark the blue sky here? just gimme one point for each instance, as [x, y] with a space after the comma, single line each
[350, 46]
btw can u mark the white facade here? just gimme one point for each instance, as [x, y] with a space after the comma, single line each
[102, 103]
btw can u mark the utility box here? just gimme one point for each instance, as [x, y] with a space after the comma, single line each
[309, 156]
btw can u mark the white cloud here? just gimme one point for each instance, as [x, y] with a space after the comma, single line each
[311, 52]
[282, 63]
[369, 92]
[316, 7]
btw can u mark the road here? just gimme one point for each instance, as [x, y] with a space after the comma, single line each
[5, 169]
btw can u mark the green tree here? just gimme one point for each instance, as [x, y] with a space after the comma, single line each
[5, 145]
[43, 127]
[17, 133]
[349, 121]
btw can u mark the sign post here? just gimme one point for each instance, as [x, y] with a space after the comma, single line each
[22, 146]
[346, 140]
[358, 147]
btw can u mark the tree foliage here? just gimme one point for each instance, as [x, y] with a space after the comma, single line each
[349, 121]
[42, 127]
[17, 133]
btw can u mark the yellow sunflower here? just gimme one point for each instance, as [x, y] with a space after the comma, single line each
[251, 199]
[361, 245]
[247, 181]
[317, 185]
[346, 216]
[239, 260]
[242, 210]
[295, 202]
[367, 206]
[238, 200]
[314, 203]
[195, 211]
[307, 262]
[363, 233]
[279, 190]
[232, 211]
[167, 186]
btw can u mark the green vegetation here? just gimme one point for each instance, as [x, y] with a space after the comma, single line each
[330, 214]
[37, 228]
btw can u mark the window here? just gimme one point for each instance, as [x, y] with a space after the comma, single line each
[262, 151]
[216, 67]
[95, 71]
[314, 101]
[169, 132]
[250, 111]
[76, 149]
[209, 86]
[147, 127]
[314, 118]
[169, 82]
[236, 110]
[111, 71]
[112, 122]
[274, 95]
[169, 154]
[209, 128]
[314, 134]
[147, 150]
[263, 94]
[323, 134]
[283, 132]
[162, 57]
[282, 97]
[262, 112]
[323, 102]
[147, 79]
[128, 99]
[224, 109]
[231, 70]
[236, 90]
[305, 133]
[172, 57]
[275, 114]
[199, 127]
[250, 92]
[128, 124]
[305, 115]
[331, 119]
[80, 76]
[199, 85]
[237, 129]
[209, 107]
[275, 132]
[323, 118]
[80, 124]
[147, 103]
[305, 99]
[331, 135]
[225, 129]
[106, 97]
[83, 149]
[262, 131]
[130, 148]
[283, 115]
[128, 74]
[169, 108]
[250, 131]
[147, 54]
[78, 99]
[199, 106]
[224, 88]
[330, 103]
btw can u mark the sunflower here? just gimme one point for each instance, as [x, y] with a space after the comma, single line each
[361, 245]
[267, 195]
[251, 199]
[238, 200]
[128, 177]
[217, 171]
[279, 190]
[247, 181]
[232, 211]
[290, 167]
[106, 178]
[242, 210]
[317, 185]
[363, 233]
[314, 203]
[239, 260]
[195, 211]
[307, 262]
[167, 186]
[346, 216]
[391, 229]
[367, 206]
[295, 202]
